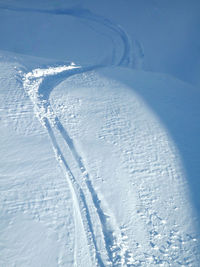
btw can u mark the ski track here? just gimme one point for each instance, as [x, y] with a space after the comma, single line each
[39, 84]
[116, 248]
[78, 195]
[125, 59]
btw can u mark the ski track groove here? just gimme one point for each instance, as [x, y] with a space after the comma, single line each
[116, 251]
[109, 239]
[77, 193]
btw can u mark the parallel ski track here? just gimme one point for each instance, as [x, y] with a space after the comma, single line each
[31, 86]
[39, 92]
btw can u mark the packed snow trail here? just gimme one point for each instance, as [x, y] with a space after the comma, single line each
[109, 239]
[77, 194]
[78, 197]
[38, 84]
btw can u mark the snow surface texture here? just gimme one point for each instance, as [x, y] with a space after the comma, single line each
[100, 159]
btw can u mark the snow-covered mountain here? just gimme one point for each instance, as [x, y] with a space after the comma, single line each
[99, 147]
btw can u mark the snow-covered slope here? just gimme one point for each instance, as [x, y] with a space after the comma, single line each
[99, 161]
[121, 196]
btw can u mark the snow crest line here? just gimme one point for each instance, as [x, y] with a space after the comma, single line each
[126, 57]
[115, 246]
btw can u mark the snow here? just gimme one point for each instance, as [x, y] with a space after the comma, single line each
[99, 157]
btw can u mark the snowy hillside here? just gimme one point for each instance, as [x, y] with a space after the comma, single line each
[99, 149]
